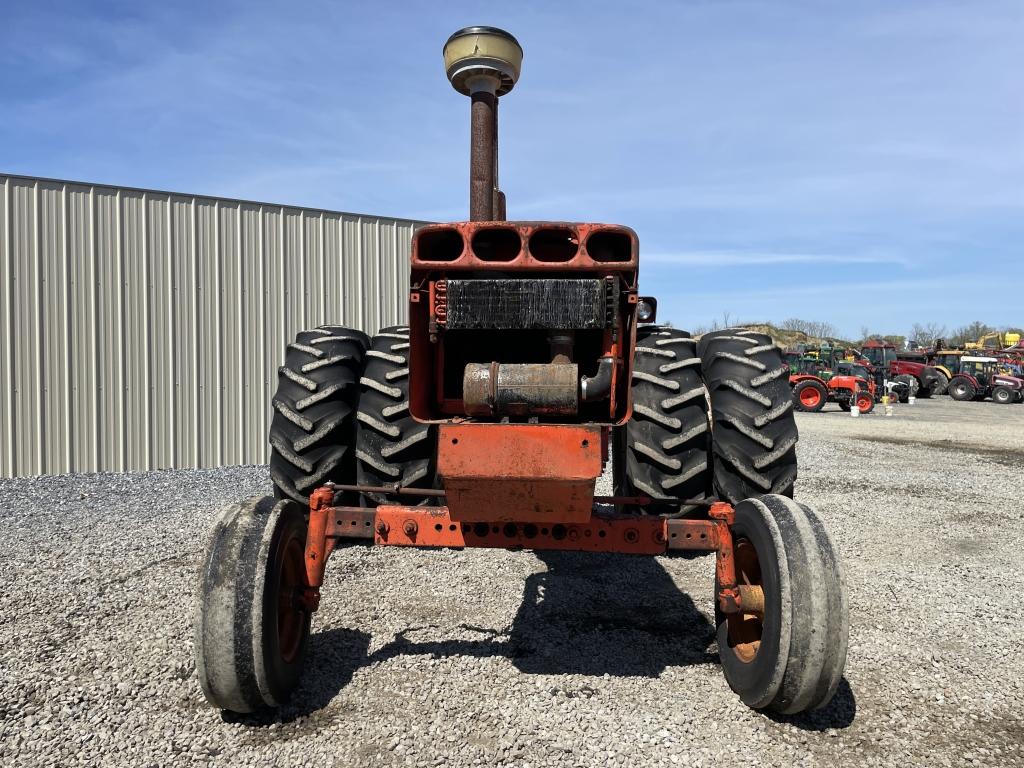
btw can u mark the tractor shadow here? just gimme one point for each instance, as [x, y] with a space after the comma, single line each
[586, 614]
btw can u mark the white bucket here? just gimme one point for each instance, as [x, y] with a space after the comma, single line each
[854, 411]
[911, 400]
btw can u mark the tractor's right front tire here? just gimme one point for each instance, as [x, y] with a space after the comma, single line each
[789, 655]
[753, 430]
[251, 631]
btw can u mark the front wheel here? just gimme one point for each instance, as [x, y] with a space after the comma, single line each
[251, 629]
[865, 402]
[941, 383]
[1003, 395]
[787, 653]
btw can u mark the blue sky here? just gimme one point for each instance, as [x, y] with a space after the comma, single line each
[861, 163]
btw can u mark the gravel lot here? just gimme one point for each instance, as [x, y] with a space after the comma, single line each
[490, 657]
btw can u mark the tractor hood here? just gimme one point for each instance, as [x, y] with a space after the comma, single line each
[1011, 382]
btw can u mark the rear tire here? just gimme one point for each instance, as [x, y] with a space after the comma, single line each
[941, 384]
[251, 634]
[809, 396]
[313, 429]
[1003, 396]
[961, 389]
[391, 447]
[753, 430]
[791, 659]
[663, 450]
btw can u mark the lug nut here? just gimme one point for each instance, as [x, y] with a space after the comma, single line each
[382, 528]
[410, 528]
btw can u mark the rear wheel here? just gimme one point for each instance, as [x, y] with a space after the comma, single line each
[787, 654]
[753, 430]
[662, 451]
[1003, 395]
[809, 396]
[391, 447]
[313, 428]
[961, 389]
[251, 630]
[941, 384]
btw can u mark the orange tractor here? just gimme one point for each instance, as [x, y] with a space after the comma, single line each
[845, 383]
[530, 360]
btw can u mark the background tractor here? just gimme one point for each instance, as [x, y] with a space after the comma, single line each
[845, 383]
[922, 380]
[530, 359]
[980, 378]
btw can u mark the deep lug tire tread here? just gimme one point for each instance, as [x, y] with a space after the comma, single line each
[312, 430]
[754, 431]
[663, 450]
[391, 447]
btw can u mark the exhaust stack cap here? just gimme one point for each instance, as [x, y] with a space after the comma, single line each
[482, 59]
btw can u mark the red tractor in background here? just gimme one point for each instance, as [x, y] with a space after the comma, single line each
[845, 383]
[530, 360]
[980, 378]
[922, 380]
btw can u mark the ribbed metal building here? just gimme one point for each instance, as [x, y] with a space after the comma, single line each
[143, 329]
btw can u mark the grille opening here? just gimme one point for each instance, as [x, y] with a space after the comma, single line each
[439, 245]
[498, 244]
[554, 244]
[610, 246]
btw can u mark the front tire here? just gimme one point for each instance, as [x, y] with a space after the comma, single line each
[1003, 396]
[865, 402]
[251, 634]
[790, 657]
[941, 384]
[753, 430]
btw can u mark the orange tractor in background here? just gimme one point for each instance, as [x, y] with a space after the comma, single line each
[845, 383]
[529, 362]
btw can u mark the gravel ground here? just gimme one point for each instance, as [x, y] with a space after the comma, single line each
[491, 657]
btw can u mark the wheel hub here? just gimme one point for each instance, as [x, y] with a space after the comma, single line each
[745, 626]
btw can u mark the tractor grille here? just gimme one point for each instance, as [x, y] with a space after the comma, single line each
[527, 304]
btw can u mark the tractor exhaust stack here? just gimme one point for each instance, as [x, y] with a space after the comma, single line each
[484, 64]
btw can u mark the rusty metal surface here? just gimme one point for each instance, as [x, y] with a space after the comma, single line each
[520, 389]
[434, 527]
[691, 534]
[519, 472]
[482, 159]
[723, 516]
[523, 261]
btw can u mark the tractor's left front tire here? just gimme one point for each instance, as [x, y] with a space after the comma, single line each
[789, 655]
[251, 631]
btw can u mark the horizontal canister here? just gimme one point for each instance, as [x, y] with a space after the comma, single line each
[514, 389]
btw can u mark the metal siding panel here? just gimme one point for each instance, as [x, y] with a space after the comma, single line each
[145, 330]
[80, 441]
[207, 339]
[229, 334]
[159, 335]
[6, 334]
[26, 343]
